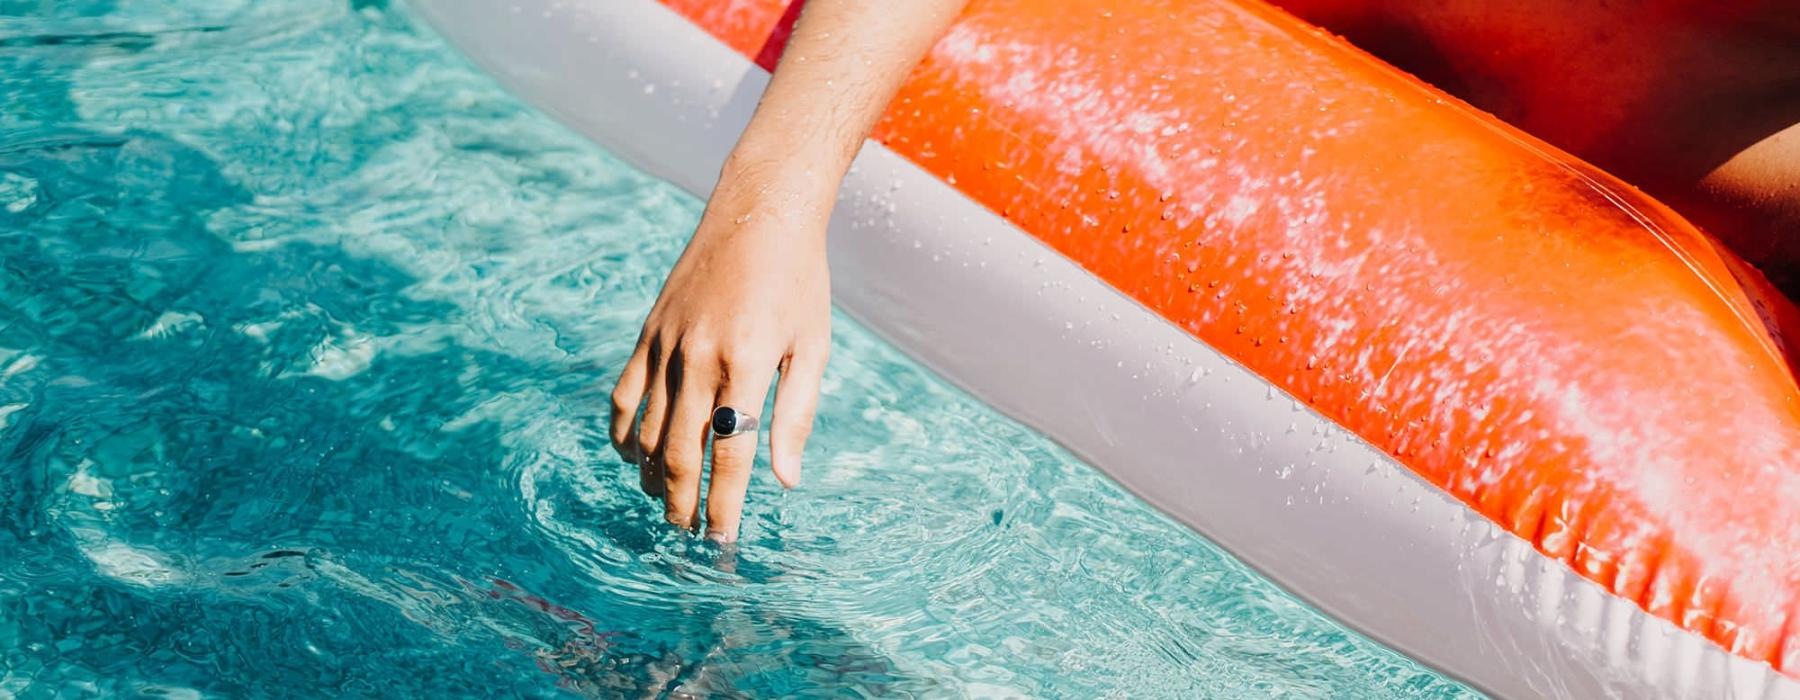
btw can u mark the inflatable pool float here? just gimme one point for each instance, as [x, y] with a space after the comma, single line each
[1473, 397]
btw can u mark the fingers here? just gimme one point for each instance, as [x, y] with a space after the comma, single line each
[683, 445]
[627, 395]
[649, 430]
[682, 387]
[744, 387]
[796, 399]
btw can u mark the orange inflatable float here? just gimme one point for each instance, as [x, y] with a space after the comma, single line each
[1587, 401]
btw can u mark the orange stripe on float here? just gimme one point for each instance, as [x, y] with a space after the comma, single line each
[1559, 351]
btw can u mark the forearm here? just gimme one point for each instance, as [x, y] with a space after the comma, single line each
[843, 64]
[750, 297]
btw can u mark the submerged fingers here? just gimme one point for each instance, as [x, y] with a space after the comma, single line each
[648, 433]
[680, 388]
[684, 449]
[745, 387]
[627, 396]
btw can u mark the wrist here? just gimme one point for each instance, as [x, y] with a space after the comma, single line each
[793, 190]
[797, 167]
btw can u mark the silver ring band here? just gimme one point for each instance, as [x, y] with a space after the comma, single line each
[728, 421]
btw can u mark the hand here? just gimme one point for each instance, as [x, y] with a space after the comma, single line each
[751, 294]
[750, 297]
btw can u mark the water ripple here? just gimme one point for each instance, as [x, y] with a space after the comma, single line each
[304, 334]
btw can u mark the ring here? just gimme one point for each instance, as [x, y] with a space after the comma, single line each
[728, 421]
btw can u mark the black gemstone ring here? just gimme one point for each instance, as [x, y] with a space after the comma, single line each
[728, 421]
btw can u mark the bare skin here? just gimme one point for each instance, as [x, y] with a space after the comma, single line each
[751, 295]
[1696, 100]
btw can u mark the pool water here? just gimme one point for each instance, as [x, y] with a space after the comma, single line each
[305, 333]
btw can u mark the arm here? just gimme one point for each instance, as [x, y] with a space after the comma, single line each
[751, 295]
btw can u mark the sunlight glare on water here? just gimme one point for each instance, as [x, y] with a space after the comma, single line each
[305, 329]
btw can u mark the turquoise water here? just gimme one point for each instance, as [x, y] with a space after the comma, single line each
[305, 332]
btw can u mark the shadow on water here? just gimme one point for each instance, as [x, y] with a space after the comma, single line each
[212, 482]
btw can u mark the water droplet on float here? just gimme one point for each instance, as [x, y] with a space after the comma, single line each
[649, 88]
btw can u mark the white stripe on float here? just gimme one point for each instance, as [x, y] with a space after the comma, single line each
[1292, 494]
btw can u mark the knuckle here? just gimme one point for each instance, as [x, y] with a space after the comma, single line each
[796, 425]
[728, 464]
[743, 335]
[680, 460]
[797, 433]
[699, 346]
[622, 403]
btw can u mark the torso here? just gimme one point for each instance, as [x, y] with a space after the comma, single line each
[1696, 101]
